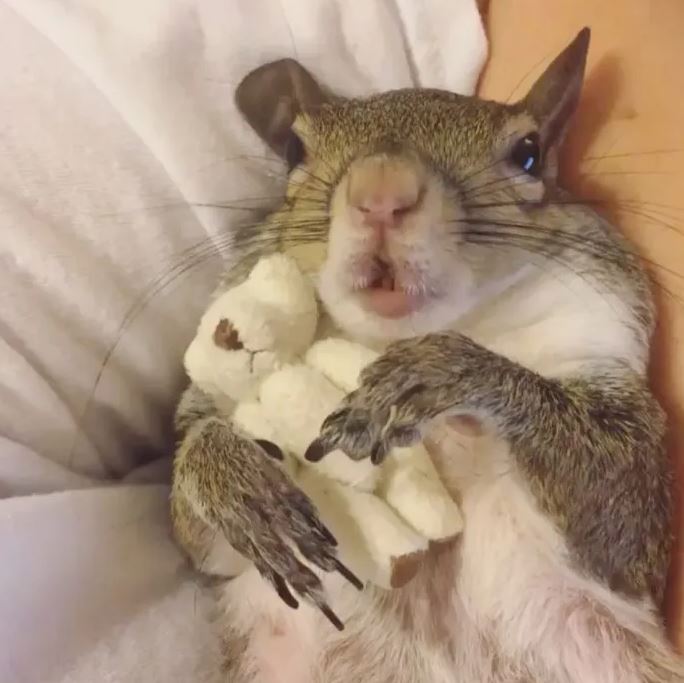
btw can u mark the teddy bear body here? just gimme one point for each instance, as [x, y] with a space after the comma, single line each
[255, 349]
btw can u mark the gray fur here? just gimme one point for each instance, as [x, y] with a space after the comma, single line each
[590, 447]
[227, 484]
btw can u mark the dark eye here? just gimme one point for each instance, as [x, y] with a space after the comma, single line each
[294, 152]
[526, 154]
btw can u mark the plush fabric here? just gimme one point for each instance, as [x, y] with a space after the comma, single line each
[283, 391]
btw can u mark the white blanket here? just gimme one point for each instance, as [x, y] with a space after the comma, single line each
[117, 125]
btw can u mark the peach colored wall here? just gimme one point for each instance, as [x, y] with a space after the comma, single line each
[633, 106]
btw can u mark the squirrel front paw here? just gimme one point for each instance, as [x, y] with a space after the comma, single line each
[238, 489]
[412, 383]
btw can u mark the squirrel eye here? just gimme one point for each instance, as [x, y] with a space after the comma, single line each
[526, 154]
[294, 152]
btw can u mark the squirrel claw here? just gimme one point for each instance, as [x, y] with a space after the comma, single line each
[332, 617]
[349, 575]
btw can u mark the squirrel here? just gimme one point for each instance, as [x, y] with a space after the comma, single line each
[514, 325]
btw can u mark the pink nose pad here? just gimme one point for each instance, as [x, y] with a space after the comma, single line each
[383, 189]
[385, 210]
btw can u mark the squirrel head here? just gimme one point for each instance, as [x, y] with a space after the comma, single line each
[398, 200]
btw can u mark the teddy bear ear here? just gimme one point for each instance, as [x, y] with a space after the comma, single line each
[226, 336]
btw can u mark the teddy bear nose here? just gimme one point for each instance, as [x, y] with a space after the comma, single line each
[384, 189]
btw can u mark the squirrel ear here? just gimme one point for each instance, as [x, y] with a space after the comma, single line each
[553, 98]
[271, 97]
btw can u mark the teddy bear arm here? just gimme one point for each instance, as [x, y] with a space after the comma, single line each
[412, 488]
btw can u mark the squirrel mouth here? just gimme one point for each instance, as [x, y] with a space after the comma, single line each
[385, 278]
[385, 297]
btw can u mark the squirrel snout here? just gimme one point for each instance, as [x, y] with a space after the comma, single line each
[384, 189]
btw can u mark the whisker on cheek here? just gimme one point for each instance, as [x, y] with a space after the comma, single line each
[256, 240]
[562, 247]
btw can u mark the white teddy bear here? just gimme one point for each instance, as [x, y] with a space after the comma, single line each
[255, 353]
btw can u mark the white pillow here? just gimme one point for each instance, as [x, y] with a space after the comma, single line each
[116, 116]
[116, 122]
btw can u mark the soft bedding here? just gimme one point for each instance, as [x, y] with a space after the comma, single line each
[118, 139]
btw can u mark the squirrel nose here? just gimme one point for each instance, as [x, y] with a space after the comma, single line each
[385, 210]
[384, 189]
